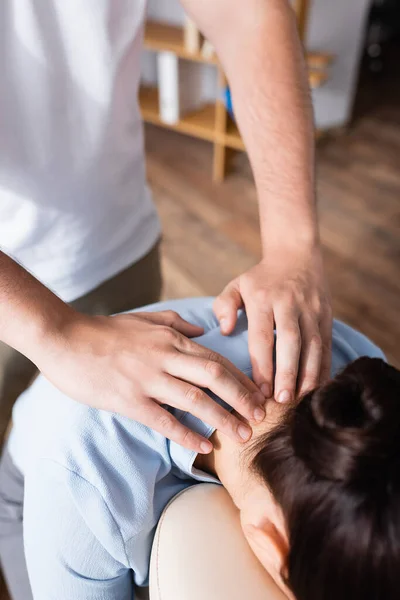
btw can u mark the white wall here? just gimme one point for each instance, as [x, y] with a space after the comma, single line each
[335, 26]
[338, 26]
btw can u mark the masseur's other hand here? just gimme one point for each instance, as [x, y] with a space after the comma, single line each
[285, 290]
[133, 364]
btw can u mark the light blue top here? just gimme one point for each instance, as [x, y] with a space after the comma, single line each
[96, 483]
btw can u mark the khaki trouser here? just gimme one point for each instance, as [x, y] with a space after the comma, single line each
[138, 285]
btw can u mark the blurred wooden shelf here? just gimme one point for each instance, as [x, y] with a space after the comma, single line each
[162, 37]
[319, 60]
[211, 121]
[199, 123]
[317, 78]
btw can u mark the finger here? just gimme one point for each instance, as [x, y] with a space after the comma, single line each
[172, 319]
[195, 401]
[288, 346]
[216, 376]
[261, 346]
[226, 306]
[159, 419]
[311, 354]
[326, 337]
[196, 350]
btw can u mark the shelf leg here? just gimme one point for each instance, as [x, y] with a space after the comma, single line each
[221, 118]
[219, 162]
[302, 8]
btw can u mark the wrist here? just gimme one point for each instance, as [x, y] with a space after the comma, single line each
[291, 238]
[47, 332]
[290, 221]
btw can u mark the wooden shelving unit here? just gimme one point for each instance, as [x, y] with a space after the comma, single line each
[199, 123]
[162, 37]
[211, 122]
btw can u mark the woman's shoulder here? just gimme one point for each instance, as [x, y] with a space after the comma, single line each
[107, 464]
[97, 445]
[348, 344]
[198, 311]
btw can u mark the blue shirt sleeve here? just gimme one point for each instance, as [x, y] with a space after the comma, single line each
[71, 555]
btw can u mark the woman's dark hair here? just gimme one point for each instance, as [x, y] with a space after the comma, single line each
[333, 466]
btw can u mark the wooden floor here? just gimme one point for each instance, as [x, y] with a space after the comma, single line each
[211, 232]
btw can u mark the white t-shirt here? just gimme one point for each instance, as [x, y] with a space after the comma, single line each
[74, 207]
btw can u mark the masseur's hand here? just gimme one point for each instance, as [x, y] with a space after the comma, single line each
[286, 290]
[133, 364]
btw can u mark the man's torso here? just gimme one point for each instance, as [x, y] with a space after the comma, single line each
[74, 207]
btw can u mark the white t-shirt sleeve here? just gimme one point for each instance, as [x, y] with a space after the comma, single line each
[73, 547]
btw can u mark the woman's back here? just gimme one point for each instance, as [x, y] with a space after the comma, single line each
[96, 483]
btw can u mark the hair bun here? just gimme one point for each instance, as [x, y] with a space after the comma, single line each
[349, 429]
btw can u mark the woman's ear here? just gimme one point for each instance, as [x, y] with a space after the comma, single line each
[271, 547]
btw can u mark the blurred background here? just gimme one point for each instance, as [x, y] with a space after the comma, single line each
[202, 181]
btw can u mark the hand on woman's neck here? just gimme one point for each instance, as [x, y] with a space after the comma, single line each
[230, 461]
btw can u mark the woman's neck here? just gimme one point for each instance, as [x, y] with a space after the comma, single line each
[230, 461]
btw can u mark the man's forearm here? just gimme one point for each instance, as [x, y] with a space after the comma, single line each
[29, 313]
[259, 48]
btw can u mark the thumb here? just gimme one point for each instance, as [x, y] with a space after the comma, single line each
[226, 306]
